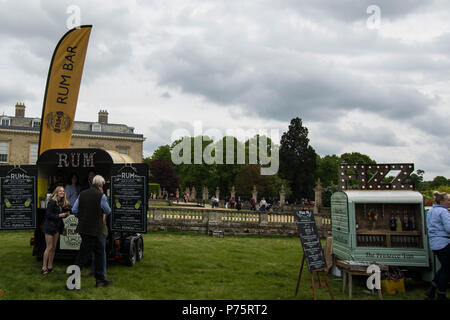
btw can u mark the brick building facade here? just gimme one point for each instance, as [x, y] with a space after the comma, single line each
[19, 137]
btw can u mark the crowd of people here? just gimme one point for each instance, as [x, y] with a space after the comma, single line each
[91, 207]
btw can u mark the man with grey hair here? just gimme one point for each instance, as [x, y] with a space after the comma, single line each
[90, 208]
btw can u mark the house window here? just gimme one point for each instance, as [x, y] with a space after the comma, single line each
[123, 151]
[6, 121]
[4, 147]
[33, 153]
[36, 123]
[96, 127]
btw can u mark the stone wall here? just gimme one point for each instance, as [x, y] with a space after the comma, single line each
[231, 222]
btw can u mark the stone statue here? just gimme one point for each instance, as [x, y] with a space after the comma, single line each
[282, 196]
[193, 194]
[233, 193]
[255, 193]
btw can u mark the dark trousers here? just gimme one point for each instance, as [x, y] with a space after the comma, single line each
[441, 277]
[89, 245]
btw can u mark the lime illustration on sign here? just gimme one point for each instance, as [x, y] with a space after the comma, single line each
[137, 205]
[70, 240]
[27, 203]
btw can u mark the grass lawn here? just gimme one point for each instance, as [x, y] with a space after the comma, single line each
[179, 265]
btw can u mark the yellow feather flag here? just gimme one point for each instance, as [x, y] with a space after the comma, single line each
[61, 92]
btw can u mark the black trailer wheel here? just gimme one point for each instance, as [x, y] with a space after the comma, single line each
[131, 258]
[139, 249]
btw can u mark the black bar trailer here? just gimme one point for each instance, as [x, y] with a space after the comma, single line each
[24, 191]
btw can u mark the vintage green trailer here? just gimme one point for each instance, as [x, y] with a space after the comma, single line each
[356, 238]
[398, 237]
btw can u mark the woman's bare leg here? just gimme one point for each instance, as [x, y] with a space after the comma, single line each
[48, 249]
[52, 252]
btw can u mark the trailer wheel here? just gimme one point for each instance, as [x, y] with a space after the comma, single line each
[139, 249]
[131, 257]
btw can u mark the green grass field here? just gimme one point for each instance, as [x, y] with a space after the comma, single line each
[180, 265]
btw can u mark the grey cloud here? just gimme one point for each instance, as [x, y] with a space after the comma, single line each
[39, 26]
[160, 133]
[351, 10]
[278, 85]
[434, 122]
[378, 136]
[10, 92]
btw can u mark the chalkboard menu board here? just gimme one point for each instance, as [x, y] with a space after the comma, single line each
[309, 237]
[17, 196]
[129, 199]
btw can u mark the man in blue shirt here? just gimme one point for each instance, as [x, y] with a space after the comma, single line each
[438, 224]
[90, 208]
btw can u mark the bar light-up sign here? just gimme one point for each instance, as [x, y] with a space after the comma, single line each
[373, 176]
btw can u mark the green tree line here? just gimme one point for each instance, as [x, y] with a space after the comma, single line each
[299, 167]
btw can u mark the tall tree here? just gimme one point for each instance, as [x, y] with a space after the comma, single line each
[161, 171]
[416, 179]
[162, 152]
[298, 160]
[439, 181]
[327, 169]
[356, 158]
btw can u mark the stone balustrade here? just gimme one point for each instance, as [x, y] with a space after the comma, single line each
[230, 221]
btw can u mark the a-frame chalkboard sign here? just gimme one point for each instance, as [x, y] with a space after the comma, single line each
[312, 251]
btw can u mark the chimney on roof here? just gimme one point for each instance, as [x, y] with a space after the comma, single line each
[20, 109]
[103, 116]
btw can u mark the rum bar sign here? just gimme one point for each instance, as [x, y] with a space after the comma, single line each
[309, 237]
[17, 196]
[128, 201]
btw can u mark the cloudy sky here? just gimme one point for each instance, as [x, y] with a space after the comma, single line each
[376, 86]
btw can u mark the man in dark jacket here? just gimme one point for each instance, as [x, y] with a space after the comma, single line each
[90, 208]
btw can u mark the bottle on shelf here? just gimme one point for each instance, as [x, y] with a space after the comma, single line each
[398, 223]
[412, 223]
[393, 225]
[405, 221]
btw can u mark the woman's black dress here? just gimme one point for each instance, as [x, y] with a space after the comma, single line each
[53, 223]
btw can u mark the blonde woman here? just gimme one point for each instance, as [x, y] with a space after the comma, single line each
[438, 224]
[58, 208]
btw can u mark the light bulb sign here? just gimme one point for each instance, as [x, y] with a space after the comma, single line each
[370, 177]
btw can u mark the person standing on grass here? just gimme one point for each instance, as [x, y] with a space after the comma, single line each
[89, 207]
[438, 224]
[102, 238]
[57, 208]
